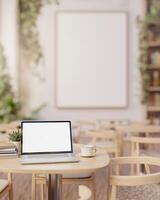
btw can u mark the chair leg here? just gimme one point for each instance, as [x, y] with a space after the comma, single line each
[93, 185]
[113, 193]
[10, 187]
[33, 187]
[10, 194]
[42, 191]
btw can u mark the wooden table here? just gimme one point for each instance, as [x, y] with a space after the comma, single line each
[13, 165]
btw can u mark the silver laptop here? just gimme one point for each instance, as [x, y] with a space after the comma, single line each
[47, 142]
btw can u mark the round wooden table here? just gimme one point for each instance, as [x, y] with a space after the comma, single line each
[13, 165]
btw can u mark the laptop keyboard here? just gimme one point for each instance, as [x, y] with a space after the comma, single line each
[40, 156]
[49, 158]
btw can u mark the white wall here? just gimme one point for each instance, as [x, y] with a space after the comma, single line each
[36, 92]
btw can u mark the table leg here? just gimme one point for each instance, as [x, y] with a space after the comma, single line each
[50, 187]
[58, 187]
[55, 187]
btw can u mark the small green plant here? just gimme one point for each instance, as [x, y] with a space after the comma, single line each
[15, 136]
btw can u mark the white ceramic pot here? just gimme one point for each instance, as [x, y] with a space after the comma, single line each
[18, 146]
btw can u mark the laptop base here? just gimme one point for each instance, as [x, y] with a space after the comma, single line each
[49, 158]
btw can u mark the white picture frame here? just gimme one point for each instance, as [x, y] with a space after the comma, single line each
[91, 59]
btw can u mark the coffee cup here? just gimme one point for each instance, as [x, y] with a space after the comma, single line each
[88, 150]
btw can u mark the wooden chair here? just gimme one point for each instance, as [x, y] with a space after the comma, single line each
[87, 179]
[42, 180]
[137, 130]
[136, 143]
[70, 179]
[111, 124]
[137, 186]
[107, 140]
[84, 126]
[6, 187]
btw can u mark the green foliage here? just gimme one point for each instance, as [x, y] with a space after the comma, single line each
[152, 16]
[9, 105]
[29, 35]
[34, 114]
[15, 136]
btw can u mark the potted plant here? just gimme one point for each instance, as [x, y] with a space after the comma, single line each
[15, 138]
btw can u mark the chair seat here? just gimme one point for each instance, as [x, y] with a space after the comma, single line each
[81, 175]
[3, 184]
[142, 192]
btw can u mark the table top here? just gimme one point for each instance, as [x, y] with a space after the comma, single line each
[92, 164]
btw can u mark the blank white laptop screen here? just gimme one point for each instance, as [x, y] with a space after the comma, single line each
[46, 137]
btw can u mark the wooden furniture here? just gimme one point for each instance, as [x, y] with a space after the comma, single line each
[6, 187]
[136, 142]
[84, 126]
[105, 124]
[152, 84]
[107, 140]
[138, 180]
[101, 160]
[87, 179]
[82, 179]
[78, 179]
[136, 129]
[41, 180]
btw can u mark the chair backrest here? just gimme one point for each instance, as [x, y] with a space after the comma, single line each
[118, 179]
[137, 141]
[109, 136]
[83, 127]
[111, 124]
[7, 188]
[138, 179]
[87, 125]
[136, 129]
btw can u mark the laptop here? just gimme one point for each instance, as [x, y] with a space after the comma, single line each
[47, 142]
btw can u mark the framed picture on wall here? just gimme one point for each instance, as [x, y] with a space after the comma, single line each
[91, 59]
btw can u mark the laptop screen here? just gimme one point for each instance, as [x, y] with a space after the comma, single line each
[46, 137]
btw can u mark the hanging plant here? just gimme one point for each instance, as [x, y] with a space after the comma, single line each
[143, 59]
[10, 106]
[29, 35]
[153, 16]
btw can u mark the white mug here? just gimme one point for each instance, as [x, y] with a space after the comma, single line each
[88, 150]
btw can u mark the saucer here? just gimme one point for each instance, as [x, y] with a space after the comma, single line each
[87, 156]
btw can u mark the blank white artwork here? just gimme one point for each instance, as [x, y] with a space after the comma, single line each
[91, 59]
